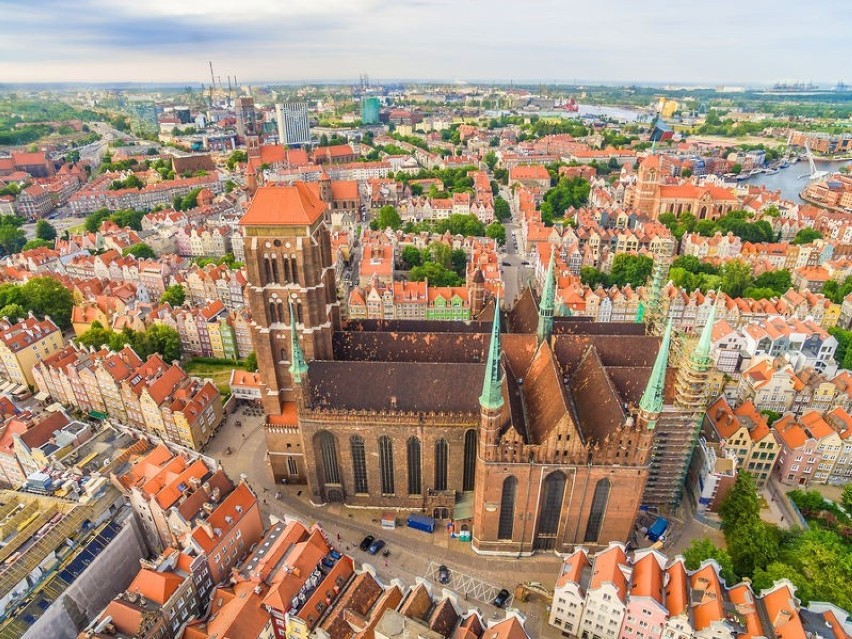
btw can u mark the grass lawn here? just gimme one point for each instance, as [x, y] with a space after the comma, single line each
[219, 373]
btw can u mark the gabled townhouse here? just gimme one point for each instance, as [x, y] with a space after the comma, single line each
[606, 596]
[569, 593]
[646, 614]
[809, 446]
[745, 431]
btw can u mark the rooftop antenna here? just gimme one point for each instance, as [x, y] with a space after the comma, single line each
[229, 90]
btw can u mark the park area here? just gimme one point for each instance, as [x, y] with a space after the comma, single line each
[219, 370]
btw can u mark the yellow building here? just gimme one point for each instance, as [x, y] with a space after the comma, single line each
[84, 315]
[26, 343]
[214, 332]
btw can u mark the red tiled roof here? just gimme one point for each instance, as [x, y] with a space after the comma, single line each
[284, 205]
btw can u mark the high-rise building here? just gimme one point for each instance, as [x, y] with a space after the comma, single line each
[293, 124]
[246, 117]
[536, 436]
[370, 110]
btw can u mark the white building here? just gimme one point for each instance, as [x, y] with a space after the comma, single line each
[293, 124]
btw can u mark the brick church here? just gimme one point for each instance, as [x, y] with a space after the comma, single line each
[531, 431]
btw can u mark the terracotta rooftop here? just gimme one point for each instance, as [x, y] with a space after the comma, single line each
[284, 205]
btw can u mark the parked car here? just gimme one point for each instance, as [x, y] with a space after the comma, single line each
[376, 546]
[505, 263]
[365, 543]
[501, 598]
[443, 574]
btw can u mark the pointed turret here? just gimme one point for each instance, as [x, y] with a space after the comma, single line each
[548, 296]
[492, 386]
[652, 398]
[298, 366]
[655, 311]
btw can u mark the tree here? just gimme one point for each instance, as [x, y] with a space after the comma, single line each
[411, 257]
[754, 545]
[235, 158]
[251, 362]
[496, 231]
[164, 340]
[741, 505]
[13, 312]
[416, 189]
[388, 217]
[439, 253]
[568, 192]
[174, 295]
[701, 549]
[846, 498]
[44, 230]
[140, 251]
[778, 281]
[458, 262]
[502, 210]
[686, 173]
[46, 296]
[490, 159]
[630, 269]
[34, 244]
[736, 278]
[806, 236]
[12, 239]
[592, 277]
[736, 168]
[436, 274]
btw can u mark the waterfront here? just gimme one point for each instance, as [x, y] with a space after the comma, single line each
[790, 180]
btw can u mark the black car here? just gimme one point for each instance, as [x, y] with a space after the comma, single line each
[501, 598]
[376, 546]
[366, 542]
[443, 574]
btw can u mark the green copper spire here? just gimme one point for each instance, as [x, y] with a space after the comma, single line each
[701, 354]
[548, 295]
[298, 366]
[492, 385]
[652, 398]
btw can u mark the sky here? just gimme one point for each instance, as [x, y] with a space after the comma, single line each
[694, 42]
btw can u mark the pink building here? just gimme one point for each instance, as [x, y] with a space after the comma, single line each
[646, 614]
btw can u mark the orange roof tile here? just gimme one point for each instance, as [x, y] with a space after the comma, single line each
[782, 611]
[284, 205]
[647, 577]
[155, 586]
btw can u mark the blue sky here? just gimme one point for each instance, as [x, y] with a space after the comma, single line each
[691, 42]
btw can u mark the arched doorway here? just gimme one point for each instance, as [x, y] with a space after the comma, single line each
[506, 522]
[550, 511]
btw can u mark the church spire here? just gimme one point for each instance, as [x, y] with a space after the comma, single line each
[298, 366]
[652, 398]
[492, 386]
[654, 312]
[548, 296]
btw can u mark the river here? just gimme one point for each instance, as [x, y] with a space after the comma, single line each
[789, 180]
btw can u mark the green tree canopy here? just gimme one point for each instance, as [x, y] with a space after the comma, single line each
[251, 362]
[140, 251]
[630, 269]
[736, 278]
[701, 549]
[496, 231]
[36, 243]
[502, 210]
[806, 236]
[46, 296]
[13, 312]
[436, 274]
[44, 230]
[388, 217]
[12, 239]
[174, 295]
[411, 257]
[568, 192]
[490, 159]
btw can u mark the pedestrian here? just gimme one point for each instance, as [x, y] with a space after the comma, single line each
[338, 538]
